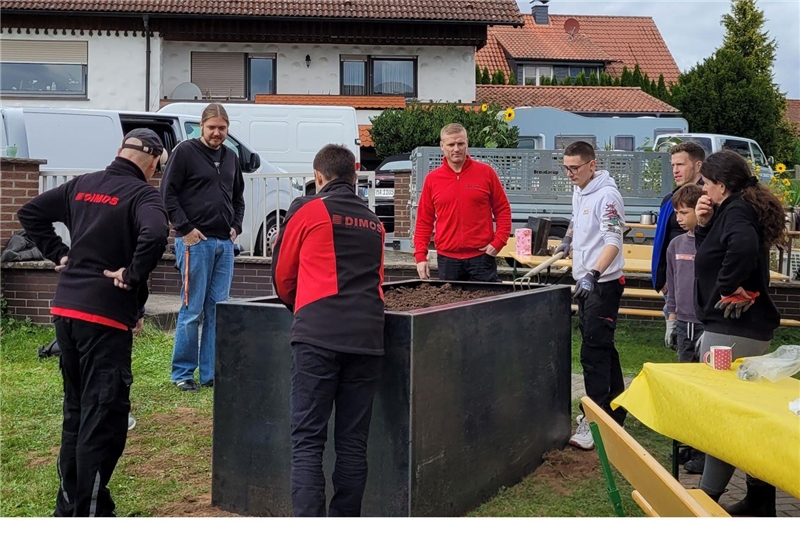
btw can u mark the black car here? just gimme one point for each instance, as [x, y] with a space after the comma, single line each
[384, 187]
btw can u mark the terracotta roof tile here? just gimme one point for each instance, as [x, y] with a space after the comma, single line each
[578, 99]
[548, 42]
[497, 12]
[617, 40]
[355, 101]
[793, 113]
[365, 136]
[492, 56]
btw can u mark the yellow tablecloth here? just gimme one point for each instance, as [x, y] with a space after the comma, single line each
[747, 424]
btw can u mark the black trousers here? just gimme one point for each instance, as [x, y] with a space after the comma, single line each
[688, 334]
[96, 369]
[602, 372]
[320, 379]
[482, 268]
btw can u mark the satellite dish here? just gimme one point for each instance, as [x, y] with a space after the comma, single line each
[187, 90]
[571, 27]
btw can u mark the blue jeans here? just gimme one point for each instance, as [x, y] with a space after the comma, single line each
[210, 276]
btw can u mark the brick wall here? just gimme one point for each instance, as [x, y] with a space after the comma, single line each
[28, 291]
[28, 287]
[402, 204]
[20, 183]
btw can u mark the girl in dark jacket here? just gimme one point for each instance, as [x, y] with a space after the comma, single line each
[739, 219]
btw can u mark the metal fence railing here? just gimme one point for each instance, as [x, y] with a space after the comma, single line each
[267, 199]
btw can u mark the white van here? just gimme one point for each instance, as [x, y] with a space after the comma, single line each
[84, 140]
[714, 142]
[289, 136]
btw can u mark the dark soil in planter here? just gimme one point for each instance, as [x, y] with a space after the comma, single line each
[427, 295]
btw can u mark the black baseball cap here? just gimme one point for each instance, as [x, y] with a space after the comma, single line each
[142, 139]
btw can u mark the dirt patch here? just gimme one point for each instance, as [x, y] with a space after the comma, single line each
[427, 295]
[147, 459]
[567, 465]
[193, 506]
[37, 460]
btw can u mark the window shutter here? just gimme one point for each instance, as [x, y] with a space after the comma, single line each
[219, 74]
[44, 51]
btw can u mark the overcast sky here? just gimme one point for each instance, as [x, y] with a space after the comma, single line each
[692, 29]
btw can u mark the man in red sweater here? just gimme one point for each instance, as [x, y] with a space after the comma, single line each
[465, 199]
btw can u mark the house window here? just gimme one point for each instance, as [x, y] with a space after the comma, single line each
[260, 76]
[532, 74]
[574, 72]
[43, 68]
[366, 75]
[226, 75]
[354, 76]
[623, 143]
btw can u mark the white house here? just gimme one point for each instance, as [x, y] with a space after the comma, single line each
[133, 55]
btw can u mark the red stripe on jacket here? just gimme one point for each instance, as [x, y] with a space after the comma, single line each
[314, 261]
[87, 317]
[464, 206]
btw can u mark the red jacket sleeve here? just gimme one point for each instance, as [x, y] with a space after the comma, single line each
[501, 211]
[286, 254]
[424, 226]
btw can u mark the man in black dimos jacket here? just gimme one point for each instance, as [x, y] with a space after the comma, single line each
[118, 231]
[328, 270]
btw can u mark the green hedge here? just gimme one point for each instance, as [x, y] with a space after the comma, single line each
[397, 131]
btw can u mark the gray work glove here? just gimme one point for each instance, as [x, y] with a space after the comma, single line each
[565, 246]
[671, 336]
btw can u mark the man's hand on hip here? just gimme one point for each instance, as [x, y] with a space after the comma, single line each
[61, 265]
[424, 270]
[489, 250]
[139, 326]
[194, 237]
[119, 282]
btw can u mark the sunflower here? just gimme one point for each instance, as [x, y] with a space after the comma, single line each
[787, 182]
[509, 114]
[484, 107]
[780, 168]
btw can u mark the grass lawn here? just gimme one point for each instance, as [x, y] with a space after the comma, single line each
[166, 467]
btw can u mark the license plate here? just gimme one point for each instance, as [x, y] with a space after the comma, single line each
[384, 193]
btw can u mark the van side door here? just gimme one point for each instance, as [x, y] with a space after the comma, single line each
[739, 146]
[760, 159]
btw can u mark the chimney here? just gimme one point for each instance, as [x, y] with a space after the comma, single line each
[540, 16]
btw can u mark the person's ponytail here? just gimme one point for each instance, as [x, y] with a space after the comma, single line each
[770, 213]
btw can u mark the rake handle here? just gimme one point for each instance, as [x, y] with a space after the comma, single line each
[539, 268]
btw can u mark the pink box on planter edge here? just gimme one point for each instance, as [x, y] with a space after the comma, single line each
[522, 238]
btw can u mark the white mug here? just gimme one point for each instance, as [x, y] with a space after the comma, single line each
[721, 357]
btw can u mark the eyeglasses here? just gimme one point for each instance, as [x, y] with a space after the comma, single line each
[573, 169]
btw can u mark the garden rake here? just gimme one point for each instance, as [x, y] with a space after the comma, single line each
[526, 281]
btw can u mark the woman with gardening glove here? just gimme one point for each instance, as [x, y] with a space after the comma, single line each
[739, 220]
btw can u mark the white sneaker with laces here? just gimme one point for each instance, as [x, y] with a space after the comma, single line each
[583, 435]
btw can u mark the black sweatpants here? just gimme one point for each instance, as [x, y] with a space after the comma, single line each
[320, 378]
[482, 268]
[96, 369]
[602, 372]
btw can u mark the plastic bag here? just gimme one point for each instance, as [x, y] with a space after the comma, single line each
[783, 363]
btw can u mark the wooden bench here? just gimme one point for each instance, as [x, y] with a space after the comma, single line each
[656, 492]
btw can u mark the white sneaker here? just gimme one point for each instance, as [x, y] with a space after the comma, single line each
[583, 435]
[131, 422]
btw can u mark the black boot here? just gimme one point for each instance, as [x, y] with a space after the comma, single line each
[696, 464]
[759, 501]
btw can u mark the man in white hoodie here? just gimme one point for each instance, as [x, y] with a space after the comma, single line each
[595, 239]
